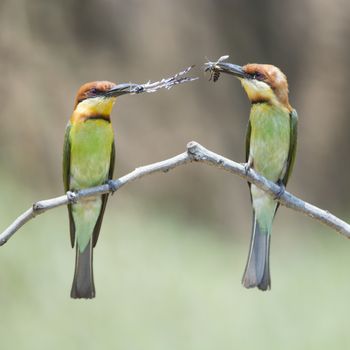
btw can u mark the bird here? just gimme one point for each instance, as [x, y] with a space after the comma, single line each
[88, 160]
[271, 141]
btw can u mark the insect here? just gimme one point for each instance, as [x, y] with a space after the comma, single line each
[214, 75]
[211, 67]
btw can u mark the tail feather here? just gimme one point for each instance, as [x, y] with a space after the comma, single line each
[257, 271]
[83, 282]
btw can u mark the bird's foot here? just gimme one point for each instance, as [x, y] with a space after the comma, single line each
[281, 190]
[72, 197]
[247, 167]
[112, 186]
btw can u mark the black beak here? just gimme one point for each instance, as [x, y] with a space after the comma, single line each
[230, 68]
[123, 89]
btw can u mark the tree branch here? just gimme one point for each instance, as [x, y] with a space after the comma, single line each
[166, 83]
[195, 153]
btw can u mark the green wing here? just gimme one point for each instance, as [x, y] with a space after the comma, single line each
[66, 178]
[66, 158]
[292, 148]
[104, 199]
[247, 146]
[292, 145]
[247, 141]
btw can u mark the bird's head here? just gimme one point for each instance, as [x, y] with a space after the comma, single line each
[262, 82]
[98, 97]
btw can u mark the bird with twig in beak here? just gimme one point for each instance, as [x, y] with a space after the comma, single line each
[88, 160]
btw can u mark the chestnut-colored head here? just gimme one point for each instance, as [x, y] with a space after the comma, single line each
[262, 82]
[266, 82]
[92, 90]
[97, 98]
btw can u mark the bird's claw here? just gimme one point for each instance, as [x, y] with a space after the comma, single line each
[72, 197]
[247, 167]
[281, 190]
[112, 186]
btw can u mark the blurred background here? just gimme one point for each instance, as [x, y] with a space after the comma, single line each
[173, 247]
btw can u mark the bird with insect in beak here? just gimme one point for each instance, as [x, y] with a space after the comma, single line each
[88, 160]
[270, 150]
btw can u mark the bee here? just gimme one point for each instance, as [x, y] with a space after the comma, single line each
[213, 69]
[215, 75]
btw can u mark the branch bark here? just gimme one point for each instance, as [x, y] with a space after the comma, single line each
[195, 153]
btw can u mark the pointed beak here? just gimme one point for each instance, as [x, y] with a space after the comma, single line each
[231, 68]
[123, 89]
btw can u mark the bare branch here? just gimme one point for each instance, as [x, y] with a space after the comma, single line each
[195, 153]
[166, 83]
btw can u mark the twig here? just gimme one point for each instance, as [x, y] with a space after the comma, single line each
[166, 83]
[195, 153]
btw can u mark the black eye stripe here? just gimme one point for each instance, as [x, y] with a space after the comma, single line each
[258, 76]
[95, 92]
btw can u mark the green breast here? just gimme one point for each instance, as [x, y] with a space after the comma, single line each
[91, 146]
[269, 142]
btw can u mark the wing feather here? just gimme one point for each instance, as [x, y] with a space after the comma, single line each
[97, 228]
[66, 179]
[292, 145]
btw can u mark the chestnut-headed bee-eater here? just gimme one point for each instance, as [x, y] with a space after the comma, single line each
[270, 150]
[88, 160]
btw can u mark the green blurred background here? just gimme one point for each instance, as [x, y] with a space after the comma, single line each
[173, 247]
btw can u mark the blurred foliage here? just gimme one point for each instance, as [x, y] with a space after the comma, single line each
[173, 246]
[48, 49]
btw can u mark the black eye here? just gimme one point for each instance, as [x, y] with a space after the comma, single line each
[258, 76]
[93, 92]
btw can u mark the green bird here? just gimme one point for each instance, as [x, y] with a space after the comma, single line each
[270, 150]
[88, 160]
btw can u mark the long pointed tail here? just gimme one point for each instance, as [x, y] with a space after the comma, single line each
[257, 271]
[83, 282]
